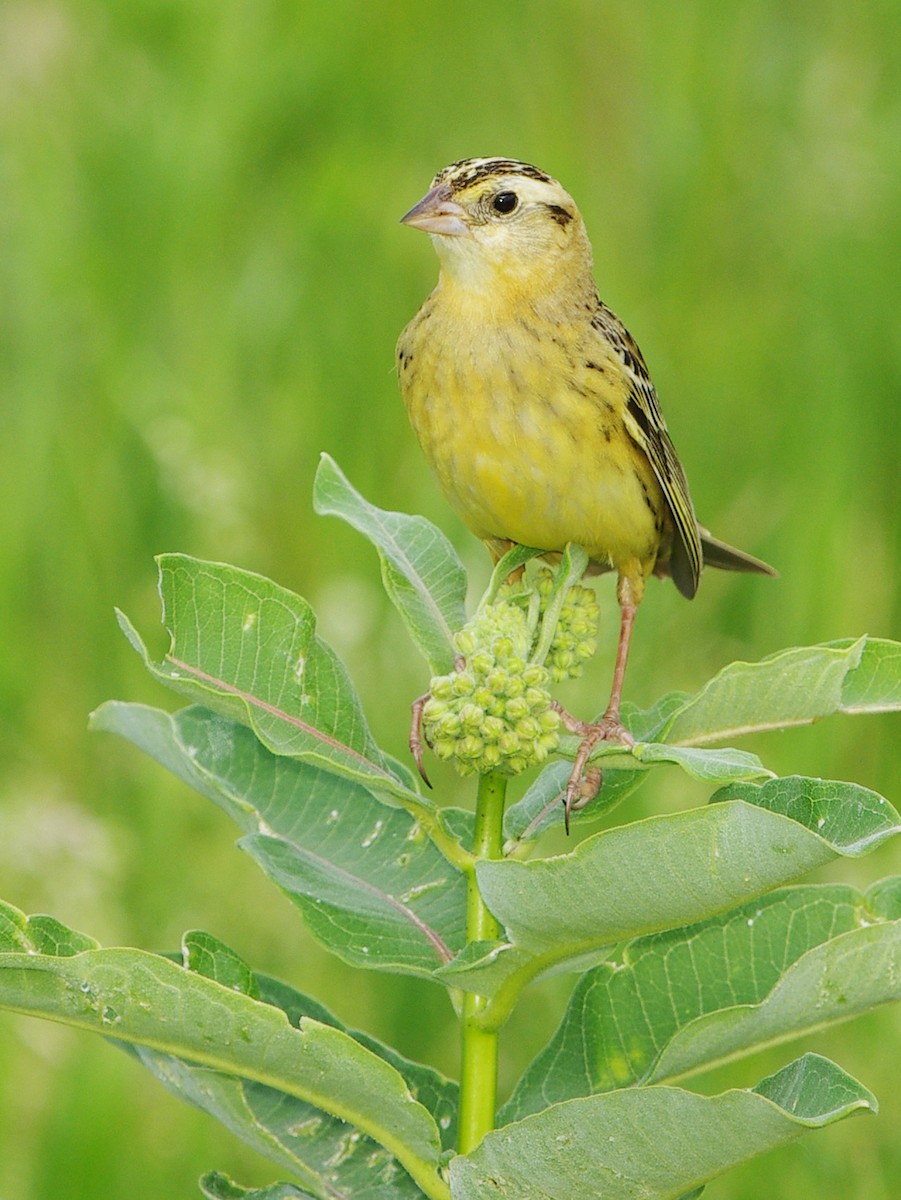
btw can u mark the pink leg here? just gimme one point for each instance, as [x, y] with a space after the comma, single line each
[584, 782]
[416, 735]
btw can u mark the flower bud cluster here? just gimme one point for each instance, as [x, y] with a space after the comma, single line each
[494, 713]
[575, 639]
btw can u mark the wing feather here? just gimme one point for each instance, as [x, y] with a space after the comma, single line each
[647, 428]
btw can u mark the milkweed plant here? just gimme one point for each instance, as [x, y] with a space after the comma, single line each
[688, 936]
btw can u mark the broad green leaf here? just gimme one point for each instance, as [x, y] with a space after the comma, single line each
[147, 1001]
[322, 1152]
[622, 772]
[661, 873]
[39, 935]
[371, 886]
[685, 1000]
[216, 1186]
[247, 648]
[484, 967]
[658, 1143]
[673, 870]
[850, 817]
[371, 925]
[712, 766]
[206, 955]
[421, 571]
[793, 687]
[874, 685]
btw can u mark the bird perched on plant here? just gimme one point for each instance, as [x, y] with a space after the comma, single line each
[533, 404]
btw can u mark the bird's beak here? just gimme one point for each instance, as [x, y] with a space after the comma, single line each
[437, 213]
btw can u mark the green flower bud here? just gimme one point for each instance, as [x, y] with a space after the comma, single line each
[434, 709]
[469, 747]
[528, 729]
[492, 758]
[496, 681]
[549, 721]
[444, 747]
[508, 743]
[537, 699]
[503, 648]
[574, 639]
[465, 640]
[481, 663]
[448, 726]
[462, 684]
[544, 582]
[471, 717]
[517, 708]
[534, 676]
[492, 728]
[495, 713]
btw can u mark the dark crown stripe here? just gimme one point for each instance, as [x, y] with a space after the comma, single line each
[463, 174]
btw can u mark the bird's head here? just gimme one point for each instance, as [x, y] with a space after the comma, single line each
[496, 220]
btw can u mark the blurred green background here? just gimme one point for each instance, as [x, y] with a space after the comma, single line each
[201, 281]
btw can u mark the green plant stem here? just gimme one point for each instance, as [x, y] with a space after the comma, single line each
[478, 1072]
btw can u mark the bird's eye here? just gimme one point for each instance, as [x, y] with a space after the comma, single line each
[505, 202]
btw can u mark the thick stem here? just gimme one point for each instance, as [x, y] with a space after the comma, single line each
[478, 1071]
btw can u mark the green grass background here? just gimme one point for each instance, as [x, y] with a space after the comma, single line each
[201, 281]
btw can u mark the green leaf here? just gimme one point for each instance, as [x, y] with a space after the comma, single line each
[206, 955]
[321, 1151]
[793, 687]
[216, 1186]
[39, 934]
[622, 772]
[851, 818]
[371, 886]
[248, 649]
[541, 808]
[874, 685]
[377, 927]
[653, 1142]
[717, 766]
[673, 870]
[572, 567]
[789, 963]
[422, 574]
[149, 1002]
[484, 967]
[662, 873]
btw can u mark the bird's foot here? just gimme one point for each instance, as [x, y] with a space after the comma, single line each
[585, 782]
[417, 736]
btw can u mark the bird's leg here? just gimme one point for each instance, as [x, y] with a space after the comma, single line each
[416, 735]
[609, 728]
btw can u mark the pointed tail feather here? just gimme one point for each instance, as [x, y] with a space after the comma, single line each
[727, 558]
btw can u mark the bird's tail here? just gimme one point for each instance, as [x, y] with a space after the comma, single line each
[727, 558]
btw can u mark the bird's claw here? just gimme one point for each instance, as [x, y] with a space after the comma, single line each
[580, 794]
[417, 736]
[584, 781]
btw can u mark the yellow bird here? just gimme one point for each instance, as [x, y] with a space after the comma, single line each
[533, 404]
